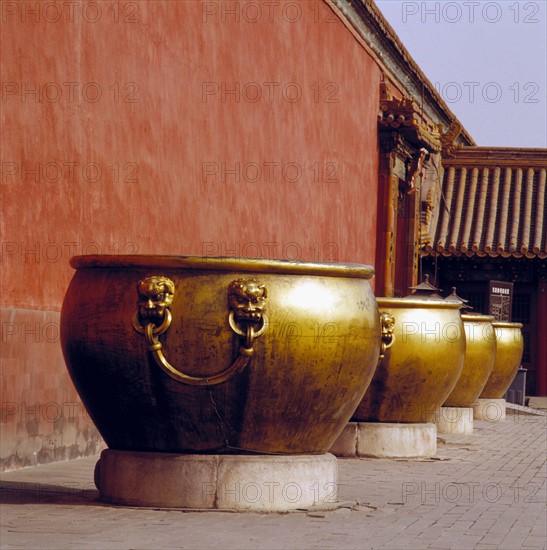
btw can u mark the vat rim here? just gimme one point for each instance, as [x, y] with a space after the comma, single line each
[415, 303]
[216, 263]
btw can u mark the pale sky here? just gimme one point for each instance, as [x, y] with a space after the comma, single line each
[488, 60]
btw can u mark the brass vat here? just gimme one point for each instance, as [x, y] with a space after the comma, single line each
[219, 355]
[509, 348]
[480, 353]
[421, 367]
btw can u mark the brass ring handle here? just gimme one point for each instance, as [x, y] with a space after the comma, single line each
[247, 299]
[386, 346]
[156, 330]
[387, 322]
[237, 330]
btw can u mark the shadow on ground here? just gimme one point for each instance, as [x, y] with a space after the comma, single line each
[17, 492]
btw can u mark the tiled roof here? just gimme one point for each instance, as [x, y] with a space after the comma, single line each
[493, 203]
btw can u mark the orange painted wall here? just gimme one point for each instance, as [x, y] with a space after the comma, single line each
[122, 127]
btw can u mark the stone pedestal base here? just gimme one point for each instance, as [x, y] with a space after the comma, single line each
[491, 410]
[386, 440]
[455, 420]
[261, 483]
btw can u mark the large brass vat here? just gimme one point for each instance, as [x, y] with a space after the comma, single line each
[509, 348]
[421, 367]
[480, 353]
[219, 355]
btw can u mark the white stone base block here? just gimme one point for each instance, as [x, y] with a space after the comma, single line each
[346, 444]
[491, 410]
[455, 420]
[260, 483]
[386, 440]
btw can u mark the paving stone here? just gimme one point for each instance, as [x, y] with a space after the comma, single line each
[411, 504]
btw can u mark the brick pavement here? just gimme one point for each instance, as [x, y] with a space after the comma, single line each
[486, 490]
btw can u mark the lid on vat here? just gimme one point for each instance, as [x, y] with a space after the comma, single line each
[424, 291]
[453, 297]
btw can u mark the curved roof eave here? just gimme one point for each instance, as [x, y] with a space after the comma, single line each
[365, 19]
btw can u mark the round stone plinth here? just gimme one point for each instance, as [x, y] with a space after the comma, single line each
[491, 410]
[386, 440]
[261, 483]
[455, 420]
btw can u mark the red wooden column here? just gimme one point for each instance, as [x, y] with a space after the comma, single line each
[386, 233]
[541, 384]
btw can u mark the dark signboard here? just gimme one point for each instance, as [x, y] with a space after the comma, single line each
[500, 300]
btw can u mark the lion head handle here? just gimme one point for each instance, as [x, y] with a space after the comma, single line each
[387, 323]
[247, 297]
[155, 296]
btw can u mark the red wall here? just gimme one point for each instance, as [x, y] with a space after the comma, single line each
[125, 119]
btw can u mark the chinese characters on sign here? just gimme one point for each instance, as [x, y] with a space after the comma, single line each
[500, 299]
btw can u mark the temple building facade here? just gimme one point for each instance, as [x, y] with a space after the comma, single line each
[490, 225]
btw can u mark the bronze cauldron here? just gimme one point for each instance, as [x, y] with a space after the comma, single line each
[480, 353]
[421, 367]
[509, 348]
[219, 355]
